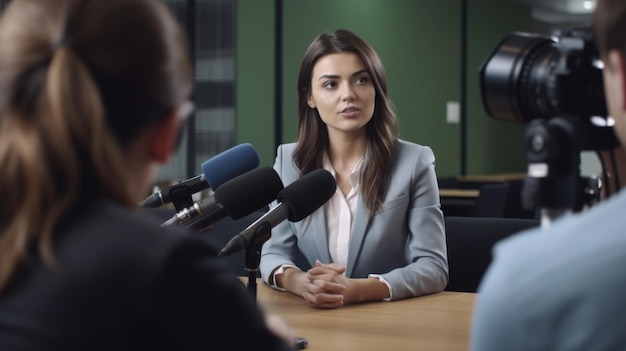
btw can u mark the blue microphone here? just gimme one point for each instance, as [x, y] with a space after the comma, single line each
[215, 171]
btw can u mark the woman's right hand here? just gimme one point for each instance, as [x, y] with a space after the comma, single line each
[319, 292]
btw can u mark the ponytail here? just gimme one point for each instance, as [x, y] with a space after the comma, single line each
[51, 158]
[68, 111]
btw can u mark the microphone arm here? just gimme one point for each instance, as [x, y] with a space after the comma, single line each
[179, 194]
[248, 237]
[181, 197]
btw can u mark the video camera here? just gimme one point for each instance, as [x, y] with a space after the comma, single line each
[554, 84]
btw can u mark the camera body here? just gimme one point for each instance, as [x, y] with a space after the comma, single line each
[554, 85]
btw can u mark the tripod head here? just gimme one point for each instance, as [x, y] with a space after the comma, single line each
[554, 183]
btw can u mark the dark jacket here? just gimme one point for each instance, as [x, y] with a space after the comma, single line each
[122, 282]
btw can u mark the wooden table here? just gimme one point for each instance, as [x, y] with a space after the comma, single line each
[433, 322]
[492, 178]
[462, 193]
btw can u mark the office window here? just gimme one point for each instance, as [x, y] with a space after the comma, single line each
[210, 25]
[210, 28]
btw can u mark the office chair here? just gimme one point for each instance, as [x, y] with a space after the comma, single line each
[470, 241]
[448, 183]
[492, 200]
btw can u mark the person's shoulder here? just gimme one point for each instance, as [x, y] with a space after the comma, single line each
[287, 148]
[409, 147]
[420, 156]
[588, 236]
[285, 163]
[568, 266]
[565, 271]
[516, 245]
[107, 230]
[603, 219]
[139, 222]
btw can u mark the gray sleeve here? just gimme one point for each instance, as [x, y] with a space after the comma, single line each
[428, 271]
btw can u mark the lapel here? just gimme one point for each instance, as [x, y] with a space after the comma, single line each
[318, 224]
[361, 221]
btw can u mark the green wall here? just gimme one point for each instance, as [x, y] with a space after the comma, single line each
[403, 33]
[493, 146]
[254, 67]
[419, 43]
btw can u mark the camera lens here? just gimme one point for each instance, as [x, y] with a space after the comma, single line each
[515, 83]
[529, 76]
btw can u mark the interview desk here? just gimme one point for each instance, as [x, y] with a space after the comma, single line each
[433, 322]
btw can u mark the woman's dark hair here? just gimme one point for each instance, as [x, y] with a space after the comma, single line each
[312, 143]
[79, 80]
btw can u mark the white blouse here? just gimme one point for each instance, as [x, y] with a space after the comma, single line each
[340, 211]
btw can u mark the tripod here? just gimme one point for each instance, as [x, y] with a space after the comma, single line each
[554, 184]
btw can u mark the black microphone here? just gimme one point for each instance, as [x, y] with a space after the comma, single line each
[296, 201]
[215, 171]
[236, 198]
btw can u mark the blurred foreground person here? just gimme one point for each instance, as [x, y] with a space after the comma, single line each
[562, 288]
[93, 97]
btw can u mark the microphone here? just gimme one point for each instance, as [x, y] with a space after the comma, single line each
[296, 201]
[215, 171]
[188, 213]
[236, 198]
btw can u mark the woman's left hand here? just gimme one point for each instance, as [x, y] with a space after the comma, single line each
[328, 282]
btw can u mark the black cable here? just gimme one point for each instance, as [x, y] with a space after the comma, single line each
[615, 171]
[605, 175]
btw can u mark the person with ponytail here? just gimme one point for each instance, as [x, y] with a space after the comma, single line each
[93, 98]
[381, 235]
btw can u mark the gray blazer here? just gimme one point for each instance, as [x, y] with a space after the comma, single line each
[404, 242]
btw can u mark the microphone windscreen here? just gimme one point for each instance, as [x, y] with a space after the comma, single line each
[249, 192]
[229, 164]
[307, 194]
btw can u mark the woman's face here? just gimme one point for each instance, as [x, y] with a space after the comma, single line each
[343, 93]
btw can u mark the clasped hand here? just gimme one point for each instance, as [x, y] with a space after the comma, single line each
[326, 286]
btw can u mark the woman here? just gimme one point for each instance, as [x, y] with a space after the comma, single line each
[93, 96]
[381, 236]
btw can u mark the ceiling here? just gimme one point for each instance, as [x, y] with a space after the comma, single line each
[561, 11]
[572, 7]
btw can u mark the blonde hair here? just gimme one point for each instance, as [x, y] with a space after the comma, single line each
[76, 89]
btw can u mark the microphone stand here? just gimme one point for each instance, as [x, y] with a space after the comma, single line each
[253, 254]
[253, 258]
